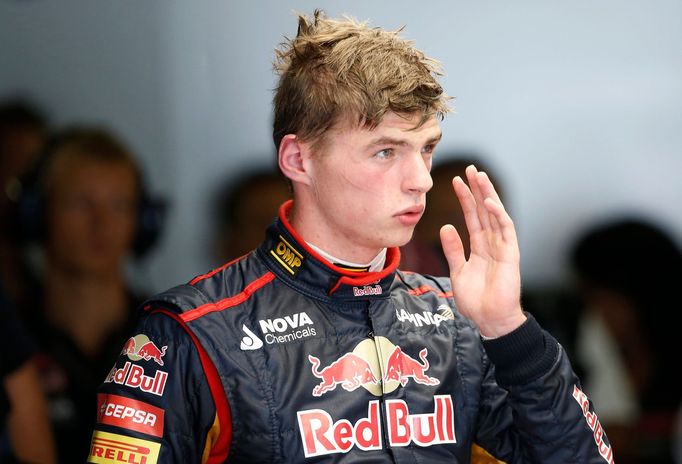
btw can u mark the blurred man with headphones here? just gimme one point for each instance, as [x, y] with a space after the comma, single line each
[25, 433]
[87, 208]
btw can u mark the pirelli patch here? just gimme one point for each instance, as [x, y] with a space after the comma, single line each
[112, 448]
[287, 256]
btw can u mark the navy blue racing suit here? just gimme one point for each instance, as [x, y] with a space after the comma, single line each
[281, 356]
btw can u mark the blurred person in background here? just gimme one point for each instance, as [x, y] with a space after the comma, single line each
[25, 431]
[244, 210]
[629, 273]
[23, 131]
[83, 207]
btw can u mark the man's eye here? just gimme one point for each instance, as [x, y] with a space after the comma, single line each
[429, 148]
[384, 154]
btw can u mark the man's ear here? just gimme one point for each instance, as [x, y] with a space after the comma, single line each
[291, 159]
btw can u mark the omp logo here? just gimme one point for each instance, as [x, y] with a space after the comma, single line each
[443, 313]
[112, 448]
[287, 256]
[250, 340]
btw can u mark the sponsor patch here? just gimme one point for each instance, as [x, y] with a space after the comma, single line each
[140, 347]
[279, 330]
[593, 422]
[112, 448]
[367, 290]
[130, 414]
[286, 255]
[443, 313]
[250, 341]
[133, 376]
[288, 328]
[362, 368]
[321, 435]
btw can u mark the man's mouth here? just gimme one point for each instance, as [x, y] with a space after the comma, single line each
[410, 216]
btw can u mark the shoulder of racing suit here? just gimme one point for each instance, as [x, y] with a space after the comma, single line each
[163, 400]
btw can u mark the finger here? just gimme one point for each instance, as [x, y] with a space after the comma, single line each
[452, 248]
[494, 222]
[473, 178]
[468, 204]
[488, 188]
[504, 221]
[488, 191]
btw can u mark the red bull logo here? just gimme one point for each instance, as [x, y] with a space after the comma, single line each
[401, 367]
[367, 290]
[362, 368]
[321, 435]
[350, 371]
[140, 347]
[593, 422]
[133, 376]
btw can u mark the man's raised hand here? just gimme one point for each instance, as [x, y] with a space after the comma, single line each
[487, 286]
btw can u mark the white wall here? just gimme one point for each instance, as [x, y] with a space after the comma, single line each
[578, 105]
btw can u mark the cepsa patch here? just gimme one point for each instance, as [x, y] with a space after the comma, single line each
[112, 448]
[287, 256]
[130, 414]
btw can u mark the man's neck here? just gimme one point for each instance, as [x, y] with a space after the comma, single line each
[375, 265]
[333, 246]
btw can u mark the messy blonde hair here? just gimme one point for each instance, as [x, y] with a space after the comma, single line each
[343, 69]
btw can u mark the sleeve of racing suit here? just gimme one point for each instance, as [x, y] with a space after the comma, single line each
[155, 405]
[532, 405]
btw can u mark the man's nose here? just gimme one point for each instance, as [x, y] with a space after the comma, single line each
[418, 174]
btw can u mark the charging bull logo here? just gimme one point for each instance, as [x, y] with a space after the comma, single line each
[362, 368]
[401, 367]
[350, 370]
[140, 347]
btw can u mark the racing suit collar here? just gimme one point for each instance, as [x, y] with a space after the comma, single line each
[294, 261]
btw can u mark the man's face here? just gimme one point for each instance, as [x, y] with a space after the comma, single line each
[91, 214]
[368, 187]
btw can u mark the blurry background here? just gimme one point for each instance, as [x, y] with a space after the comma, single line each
[577, 105]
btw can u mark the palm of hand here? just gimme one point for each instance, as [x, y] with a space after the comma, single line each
[487, 286]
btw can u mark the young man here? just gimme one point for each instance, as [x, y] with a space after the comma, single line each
[315, 348]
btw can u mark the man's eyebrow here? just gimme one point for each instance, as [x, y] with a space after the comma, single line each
[400, 142]
[434, 139]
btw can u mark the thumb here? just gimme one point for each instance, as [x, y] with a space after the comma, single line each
[452, 248]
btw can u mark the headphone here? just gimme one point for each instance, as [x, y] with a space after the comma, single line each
[31, 206]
